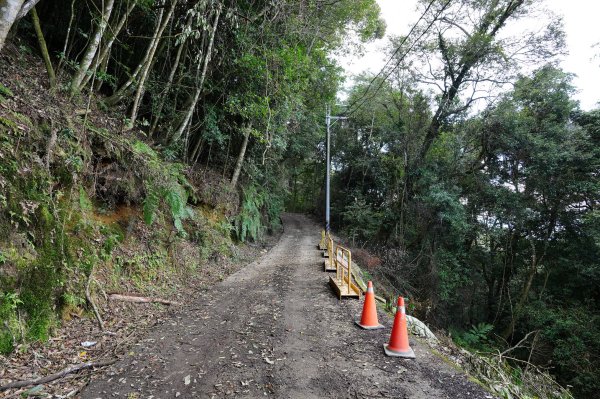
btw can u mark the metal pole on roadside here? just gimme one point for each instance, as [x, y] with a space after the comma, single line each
[328, 167]
[328, 119]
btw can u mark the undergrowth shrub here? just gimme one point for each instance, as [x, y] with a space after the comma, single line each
[212, 233]
[260, 211]
[510, 381]
[274, 205]
[477, 338]
[569, 341]
[10, 331]
[247, 223]
[164, 183]
[51, 236]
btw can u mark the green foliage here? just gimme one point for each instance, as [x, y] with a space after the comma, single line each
[73, 300]
[361, 219]
[163, 182]
[489, 219]
[151, 203]
[453, 277]
[84, 202]
[174, 195]
[573, 340]
[247, 224]
[274, 206]
[476, 338]
[5, 91]
[145, 269]
[9, 333]
[142, 149]
[8, 123]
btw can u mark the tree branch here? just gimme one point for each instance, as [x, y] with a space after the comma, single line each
[56, 376]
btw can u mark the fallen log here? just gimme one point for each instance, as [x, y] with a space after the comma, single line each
[140, 299]
[56, 376]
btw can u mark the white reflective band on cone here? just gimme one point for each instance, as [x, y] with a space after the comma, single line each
[401, 309]
[370, 289]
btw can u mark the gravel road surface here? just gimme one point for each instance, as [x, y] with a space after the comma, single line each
[275, 329]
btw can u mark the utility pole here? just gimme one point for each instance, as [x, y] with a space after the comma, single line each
[328, 119]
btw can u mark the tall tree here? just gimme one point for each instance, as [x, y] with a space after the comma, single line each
[464, 55]
[9, 10]
[92, 48]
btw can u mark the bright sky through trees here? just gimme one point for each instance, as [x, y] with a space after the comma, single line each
[582, 40]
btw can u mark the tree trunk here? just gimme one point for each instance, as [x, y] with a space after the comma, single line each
[145, 71]
[190, 111]
[506, 334]
[66, 44]
[490, 24]
[535, 262]
[43, 48]
[240, 159]
[167, 88]
[122, 92]
[188, 116]
[197, 151]
[92, 48]
[29, 4]
[140, 299]
[102, 60]
[100, 71]
[9, 10]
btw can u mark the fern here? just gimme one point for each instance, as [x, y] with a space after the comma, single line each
[274, 205]
[8, 123]
[260, 210]
[477, 338]
[151, 203]
[175, 197]
[165, 183]
[5, 91]
[248, 222]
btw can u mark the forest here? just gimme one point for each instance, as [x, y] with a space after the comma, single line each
[465, 167]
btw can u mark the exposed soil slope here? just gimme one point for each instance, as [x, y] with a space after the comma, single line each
[275, 328]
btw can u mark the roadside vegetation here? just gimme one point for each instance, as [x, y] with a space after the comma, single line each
[471, 175]
[141, 140]
[158, 138]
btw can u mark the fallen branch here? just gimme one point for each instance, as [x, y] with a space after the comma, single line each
[518, 345]
[56, 376]
[140, 299]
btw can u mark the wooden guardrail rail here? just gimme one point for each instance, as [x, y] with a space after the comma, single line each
[342, 282]
[329, 263]
[323, 242]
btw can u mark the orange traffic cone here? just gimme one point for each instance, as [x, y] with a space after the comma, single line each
[368, 321]
[398, 345]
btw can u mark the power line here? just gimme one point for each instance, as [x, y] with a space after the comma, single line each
[363, 98]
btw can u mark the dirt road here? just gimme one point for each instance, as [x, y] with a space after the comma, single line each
[275, 329]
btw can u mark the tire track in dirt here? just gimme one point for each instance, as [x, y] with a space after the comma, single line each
[275, 329]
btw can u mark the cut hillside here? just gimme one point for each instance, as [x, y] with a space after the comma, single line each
[87, 205]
